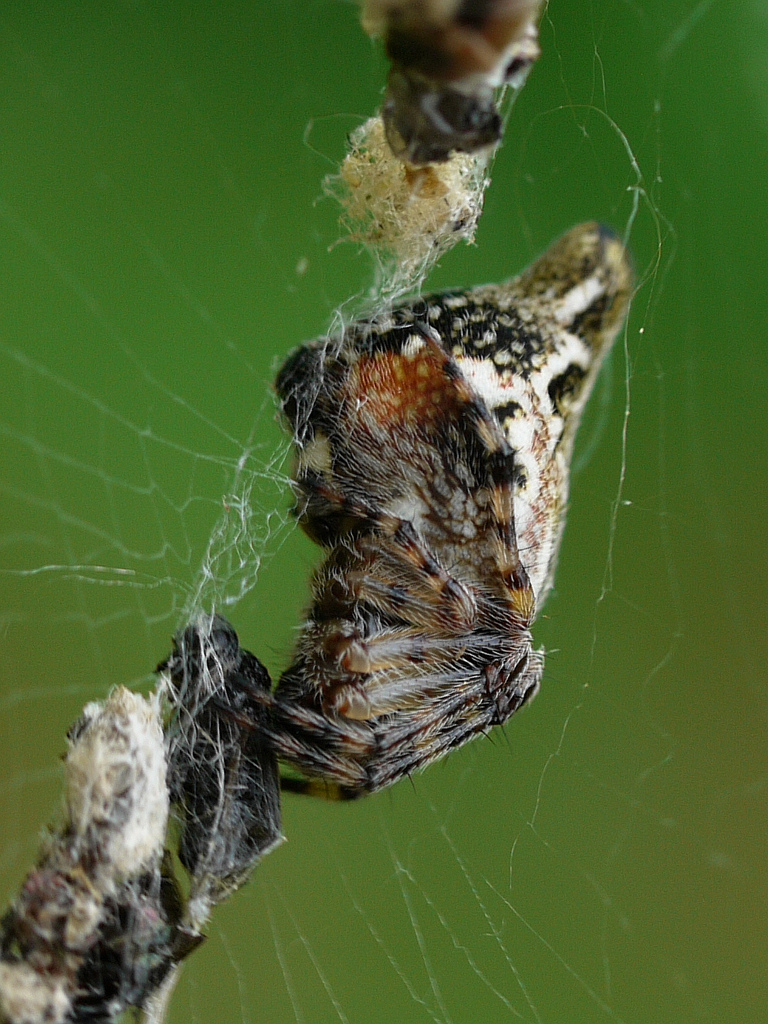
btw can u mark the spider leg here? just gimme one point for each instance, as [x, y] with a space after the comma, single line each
[361, 673]
[509, 684]
[379, 536]
[398, 747]
[398, 578]
[388, 626]
[327, 747]
[322, 788]
[423, 737]
[452, 604]
[389, 623]
[329, 750]
[395, 649]
[419, 737]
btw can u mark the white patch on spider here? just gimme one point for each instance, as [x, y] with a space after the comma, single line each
[463, 511]
[413, 345]
[504, 357]
[520, 432]
[578, 299]
[488, 338]
[409, 508]
[315, 456]
[485, 379]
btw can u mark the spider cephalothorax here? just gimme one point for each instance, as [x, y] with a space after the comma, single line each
[433, 445]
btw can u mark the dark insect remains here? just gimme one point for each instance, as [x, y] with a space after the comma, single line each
[449, 58]
[433, 445]
[223, 777]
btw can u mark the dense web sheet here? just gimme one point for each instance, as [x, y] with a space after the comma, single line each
[162, 250]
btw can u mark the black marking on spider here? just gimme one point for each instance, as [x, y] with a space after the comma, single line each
[563, 387]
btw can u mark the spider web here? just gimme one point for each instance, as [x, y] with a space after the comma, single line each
[162, 249]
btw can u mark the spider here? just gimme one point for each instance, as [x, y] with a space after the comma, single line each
[448, 57]
[432, 450]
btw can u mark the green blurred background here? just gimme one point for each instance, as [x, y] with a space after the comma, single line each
[163, 244]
